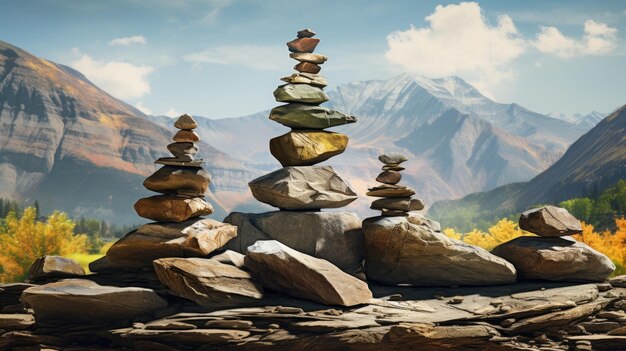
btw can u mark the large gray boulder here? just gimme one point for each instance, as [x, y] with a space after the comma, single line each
[207, 282]
[76, 300]
[51, 267]
[559, 259]
[293, 273]
[193, 238]
[300, 93]
[406, 250]
[550, 221]
[303, 188]
[333, 236]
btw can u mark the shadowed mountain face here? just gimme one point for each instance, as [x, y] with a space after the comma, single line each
[73, 147]
[70, 145]
[594, 162]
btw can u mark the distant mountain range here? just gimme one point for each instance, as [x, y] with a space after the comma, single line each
[588, 120]
[73, 147]
[593, 163]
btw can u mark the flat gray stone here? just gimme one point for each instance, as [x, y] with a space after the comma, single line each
[550, 221]
[48, 267]
[297, 116]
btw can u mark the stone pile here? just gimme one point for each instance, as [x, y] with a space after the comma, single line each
[402, 247]
[301, 189]
[553, 254]
[181, 181]
[395, 199]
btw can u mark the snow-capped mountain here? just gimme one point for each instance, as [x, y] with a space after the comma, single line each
[587, 121]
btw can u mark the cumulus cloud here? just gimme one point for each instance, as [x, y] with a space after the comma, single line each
[458, 41]
[127, 41]
[121, 79]
[143, 108]
[252, 56]
[599, 39]
[172, 113]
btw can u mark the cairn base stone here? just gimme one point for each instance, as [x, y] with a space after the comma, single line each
[406, 250]
[333, 236]
[559, 259]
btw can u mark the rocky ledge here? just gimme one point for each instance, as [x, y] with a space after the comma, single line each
[524, 316]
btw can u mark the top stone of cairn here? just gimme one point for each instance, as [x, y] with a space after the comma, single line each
[185, 122]
[306, 33]
[392, 158]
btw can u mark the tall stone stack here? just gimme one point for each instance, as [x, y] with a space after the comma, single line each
[301, 188]
[178, 230]
[182, 181]
[395, 199]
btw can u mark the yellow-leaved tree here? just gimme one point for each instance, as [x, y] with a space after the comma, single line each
[499, 233]
[22, 240]
[611, 244]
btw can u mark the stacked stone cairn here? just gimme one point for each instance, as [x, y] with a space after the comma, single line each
[403, 247]
[301, 189]
[553, 254]
[182, 181]
[395, 199]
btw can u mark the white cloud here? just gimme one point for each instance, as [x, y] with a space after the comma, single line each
[121, 79]
[216, 9]
[460, 41]
[127, 41]
[143, 108]
[172, 113]
[599, 39]
[252, 56]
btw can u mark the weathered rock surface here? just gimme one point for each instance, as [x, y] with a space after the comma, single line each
[306, 33]
[185, 122]
[307, 67]
[48, 267]
[230, 257]
[388, 190]
[186, 136]
[306, 148]
[309, 116]
[193, 238]
[308, 57]
[77, 300]
[389, 177]
[306, 78]
[401, 250]
[333, 236]
[183, 149]
[398, 203]
[17, 321]
[392, 158]
[169, 208]
[283, 269]
[555, 259]
[191, 181]
[303, 44]
[303, 188]
[550, 221]
[300, 93]
[207, 282]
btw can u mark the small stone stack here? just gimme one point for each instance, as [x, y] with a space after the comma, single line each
[553, 254]
[396, 199]
[182, 181]
[302, 188]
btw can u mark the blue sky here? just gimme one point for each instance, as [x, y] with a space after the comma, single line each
[223, 58]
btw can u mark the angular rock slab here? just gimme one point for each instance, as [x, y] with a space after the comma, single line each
[333, 236]
[405, 250]
[78, 300]
[405, 204]
[550, 221]
[308, 57]
[186, 136]
[167, 208]
[306, 148]
[207, 282]
[300, 93]
[47, 267]
[179, 180]
[303, 116]
[303, 188]
[283, 269]
[558, 259]
[306, 78]
[307, 67]
[193, 238]
[389, 190]
[303, 45]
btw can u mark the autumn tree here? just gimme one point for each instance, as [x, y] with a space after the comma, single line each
[24, 239]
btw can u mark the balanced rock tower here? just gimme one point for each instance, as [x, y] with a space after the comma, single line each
[553, 254]
[178, 230]
[301, 189]
[404, 247]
